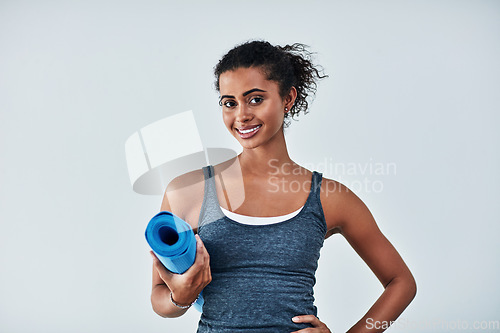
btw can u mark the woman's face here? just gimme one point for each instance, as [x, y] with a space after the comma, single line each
[252, 107]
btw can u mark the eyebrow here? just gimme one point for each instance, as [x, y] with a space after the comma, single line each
[244, 94]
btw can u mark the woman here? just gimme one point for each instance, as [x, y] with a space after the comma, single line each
[261, 232]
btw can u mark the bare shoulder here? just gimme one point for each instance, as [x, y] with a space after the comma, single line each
[347, 214]
[184, 196]
[341, 206]
[331, 198]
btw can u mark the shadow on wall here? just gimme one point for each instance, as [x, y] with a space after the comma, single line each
[165, 149]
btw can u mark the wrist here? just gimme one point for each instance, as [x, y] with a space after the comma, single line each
[181, 305]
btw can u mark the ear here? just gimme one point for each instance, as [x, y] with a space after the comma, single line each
[290, 99]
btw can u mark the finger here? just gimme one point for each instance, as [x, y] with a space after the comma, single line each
[205, 255]
[206, 264]
[157, 264]
[201, 261]
[208, 274]
[200, 245]
[202, 256]
[311, 319]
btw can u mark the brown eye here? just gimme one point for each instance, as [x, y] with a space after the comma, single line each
[228, 104]
[256, 100]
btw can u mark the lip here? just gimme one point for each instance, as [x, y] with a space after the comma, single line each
[248, 135]
[248, 127]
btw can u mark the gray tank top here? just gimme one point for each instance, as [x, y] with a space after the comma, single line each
[262, 275]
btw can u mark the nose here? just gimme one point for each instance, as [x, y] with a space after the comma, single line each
[243, 114]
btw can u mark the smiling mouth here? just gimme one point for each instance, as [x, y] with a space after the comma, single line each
[249, 130]
[247, 133]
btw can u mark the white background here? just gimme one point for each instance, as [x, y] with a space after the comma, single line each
[414, 83]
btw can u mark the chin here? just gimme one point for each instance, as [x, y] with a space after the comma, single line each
[248, 145]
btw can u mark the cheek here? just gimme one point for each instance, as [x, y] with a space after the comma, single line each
[276, 116]
[227, 119]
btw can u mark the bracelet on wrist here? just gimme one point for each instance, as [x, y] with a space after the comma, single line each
[182, 306]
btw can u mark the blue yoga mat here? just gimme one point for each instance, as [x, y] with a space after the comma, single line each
[173, 242]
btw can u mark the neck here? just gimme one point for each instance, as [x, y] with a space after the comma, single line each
[269, 159]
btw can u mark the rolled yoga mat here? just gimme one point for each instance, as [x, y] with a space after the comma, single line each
[173, 242]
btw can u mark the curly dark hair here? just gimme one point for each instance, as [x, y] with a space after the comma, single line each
[289, 65]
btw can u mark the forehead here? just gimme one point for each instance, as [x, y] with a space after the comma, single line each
[237, 81]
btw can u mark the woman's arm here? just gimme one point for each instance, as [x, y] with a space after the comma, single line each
[346, 213]
[185, 287]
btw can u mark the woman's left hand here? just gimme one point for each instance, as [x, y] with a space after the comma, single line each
[319, 326]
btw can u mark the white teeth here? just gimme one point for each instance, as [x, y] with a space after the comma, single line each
[249, 130]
